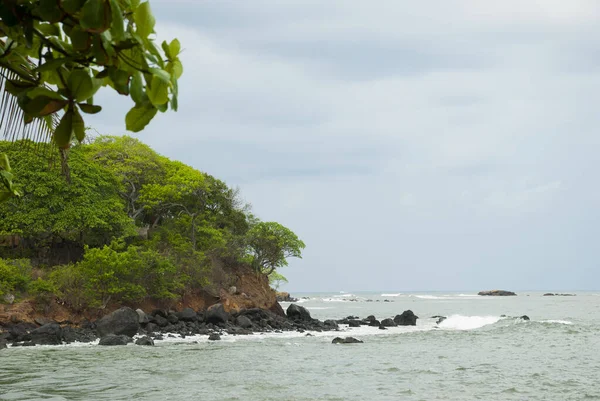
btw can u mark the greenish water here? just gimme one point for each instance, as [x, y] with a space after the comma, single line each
[474, 355]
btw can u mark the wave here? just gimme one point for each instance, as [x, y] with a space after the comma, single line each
[429, 297]
[460, 322]
[557, 321]
[391, 295]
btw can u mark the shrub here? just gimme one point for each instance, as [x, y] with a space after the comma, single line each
[14, 276]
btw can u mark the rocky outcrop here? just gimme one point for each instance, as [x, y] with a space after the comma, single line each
[187, 315]
[216, 314]
[550, 294]
[347, 340]
[407, 318]
[3, 344]
[298, 313]
[285, 297]
[48, 334]
[496, 293]
[388, 323]
[122, 321]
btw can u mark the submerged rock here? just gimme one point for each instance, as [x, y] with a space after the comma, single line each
[407, 318]
[347, 340]
[525, 317]
[114, 339]
[124, 321]
[441, 319]
[144, 341]
[214, 337]
[496, 293]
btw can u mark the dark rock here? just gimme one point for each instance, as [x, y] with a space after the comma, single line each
[285, 297]
[48, 334]
[161, 321]
[440, 319]
[244, 322]
[496, 293]
[3, 344]
[407, 318]
[332, 324]
[347, 340]
[525, 317]
[73, 334]
[24, 344]
[214, 337]
[144, 341]
[20, 331]
[143, 318]
[388, 323]
[298, 313]
[374, 323]
[159, 312]
[548, 294]
[122, 321]
[370, 318]
[151, 327]
[172, 318]
[352, 317]
[216, 314]
[187, 315]
[115, 339]
[382, 328]
[354, 323]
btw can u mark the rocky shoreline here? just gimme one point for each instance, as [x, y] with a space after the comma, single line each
[120, 326]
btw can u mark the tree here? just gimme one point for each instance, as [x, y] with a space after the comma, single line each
[271, 244]
[56, 54]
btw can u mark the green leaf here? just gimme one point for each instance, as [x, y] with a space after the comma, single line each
[53, 64]
[71, 6]
[174, 94]
[144, 20]
[161, 74]
[4, 163]
[15, 87]
[175, 48]
[43, 105]
[137, 88]
[49, 29]
[90, 108]
[48, 10]
[120, 80]
[134, 4]
[159, 91]
[175, 68]
[96, 16]
[81, 85]
[139, 116]
[117, 27]
[78, 125]
[80, 39]
[64, 130]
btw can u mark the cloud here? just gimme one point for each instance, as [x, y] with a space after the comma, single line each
[419, 146]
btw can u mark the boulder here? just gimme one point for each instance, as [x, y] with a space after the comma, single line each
[496, 293]
[124, 321]
[144, 341]
[331, 324]
[161, 321]
[347, 340]
[407, 318]
[48, 334]
[525, 317]
[172, 318]
[187, 315]
[244, 322]
[388, 323]
[3, 344]
[354, 323]
[114, 339]
[43, 321]
[142, 317]
[298, 313]
[216, 314]
[373, 323]
[214, 337]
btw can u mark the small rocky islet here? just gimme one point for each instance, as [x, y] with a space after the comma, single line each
[120, 326]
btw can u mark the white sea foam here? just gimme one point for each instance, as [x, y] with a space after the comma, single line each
[557, 321]
[391, 295]
[428, 297]
[460, 322]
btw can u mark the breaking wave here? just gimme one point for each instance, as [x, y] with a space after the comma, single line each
[460, 322]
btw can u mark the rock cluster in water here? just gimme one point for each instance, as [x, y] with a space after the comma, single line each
[550, 294]
[119, 327]
[496, 293]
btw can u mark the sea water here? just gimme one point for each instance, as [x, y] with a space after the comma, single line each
[483, 350]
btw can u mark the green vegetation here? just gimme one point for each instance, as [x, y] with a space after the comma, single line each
[56, 54]
[131, 225]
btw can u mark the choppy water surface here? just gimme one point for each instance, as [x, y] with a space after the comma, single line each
[474, 354]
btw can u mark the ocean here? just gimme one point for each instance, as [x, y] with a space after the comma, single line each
[482, 351]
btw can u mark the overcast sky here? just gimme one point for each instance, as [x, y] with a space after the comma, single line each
[431, 145]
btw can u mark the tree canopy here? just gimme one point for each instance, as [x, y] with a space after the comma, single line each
[132, 224]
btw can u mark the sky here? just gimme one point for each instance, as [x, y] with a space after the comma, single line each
[413, 146]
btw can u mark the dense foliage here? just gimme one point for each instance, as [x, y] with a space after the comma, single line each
[131, 225]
